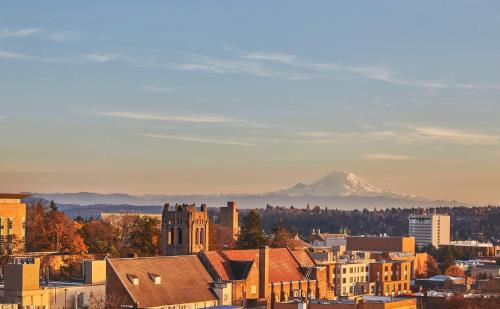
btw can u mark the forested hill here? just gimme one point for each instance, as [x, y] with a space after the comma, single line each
[482, 223]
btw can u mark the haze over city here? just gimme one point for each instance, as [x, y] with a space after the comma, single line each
[226, 97]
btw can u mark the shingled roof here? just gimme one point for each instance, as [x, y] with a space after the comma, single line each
[282, 265]
[183, 280]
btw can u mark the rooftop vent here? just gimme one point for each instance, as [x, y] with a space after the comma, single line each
[133, 279]
[155, 277]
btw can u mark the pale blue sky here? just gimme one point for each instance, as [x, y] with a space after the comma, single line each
[225, 96]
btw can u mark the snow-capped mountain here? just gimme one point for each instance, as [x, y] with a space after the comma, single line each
[337, 183]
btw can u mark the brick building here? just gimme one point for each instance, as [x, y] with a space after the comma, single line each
[381, 244]
[391, 277]
[264, 276]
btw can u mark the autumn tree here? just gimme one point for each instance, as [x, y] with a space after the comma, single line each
[144, 238]
[100, 237]
[432, 267]
[251, 235]
[220, 237]
[52, 231]
[281, 236]
[454, 271]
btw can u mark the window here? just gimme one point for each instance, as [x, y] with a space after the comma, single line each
[344, 280]
[171, 236]
[197, 236]
[344, 270]
[202, 236]
[179, 236]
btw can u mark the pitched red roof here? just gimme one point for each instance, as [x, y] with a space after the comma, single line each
[184, 280]
[282, 264]
[303, 258]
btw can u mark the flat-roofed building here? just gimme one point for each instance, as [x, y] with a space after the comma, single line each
[12, 222]
[430, 230]
[381, 244]
[365, 302]
[392, 278]
[24, 287]
[352, 278]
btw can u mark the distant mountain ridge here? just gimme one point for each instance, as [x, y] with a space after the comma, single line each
[339, 189]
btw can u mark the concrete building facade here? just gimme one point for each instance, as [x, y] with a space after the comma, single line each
[12, 222]
[430, 230]
[184, 229]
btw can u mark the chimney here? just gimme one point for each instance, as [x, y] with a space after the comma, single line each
[264, 272]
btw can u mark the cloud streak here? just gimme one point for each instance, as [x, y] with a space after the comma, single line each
[405, 134]
[188, 118]
[203, 140]
[55, 36]
[385, 157]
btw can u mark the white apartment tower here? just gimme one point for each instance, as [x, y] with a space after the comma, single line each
[430, 230]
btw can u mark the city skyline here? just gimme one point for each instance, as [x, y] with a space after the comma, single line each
[222, 97]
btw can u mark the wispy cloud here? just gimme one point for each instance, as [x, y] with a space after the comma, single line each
[457, 136]
[172, 117]
[156, 89]
[278, 57]
[385, 157]
[56, 36]
[19, 33]
[404, 134]
[8, 55]
[201, 140]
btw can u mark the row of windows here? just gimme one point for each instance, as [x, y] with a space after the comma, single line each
[177, 233]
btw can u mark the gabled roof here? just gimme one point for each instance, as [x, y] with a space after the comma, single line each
[282, 264]
[304, 259]
[184, 280]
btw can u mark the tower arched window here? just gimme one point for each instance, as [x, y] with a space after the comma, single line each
[171, 236]
[197, 236]
[202, 236]
[179, 236]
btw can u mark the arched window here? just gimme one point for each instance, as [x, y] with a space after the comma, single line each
[197, 236]
[202, 236]
[171, 235]
[179, 236]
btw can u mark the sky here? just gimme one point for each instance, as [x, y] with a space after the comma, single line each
[250, 96]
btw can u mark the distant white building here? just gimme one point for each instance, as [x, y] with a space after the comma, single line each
[430, 230]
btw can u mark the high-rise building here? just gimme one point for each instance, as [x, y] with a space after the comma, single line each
[12, 223]
[430, 230]
[184, 229]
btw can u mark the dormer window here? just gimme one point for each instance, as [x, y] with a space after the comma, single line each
[133, 279]
[155, 277]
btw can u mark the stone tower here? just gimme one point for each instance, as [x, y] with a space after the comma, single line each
[229, 218]
[184, 229]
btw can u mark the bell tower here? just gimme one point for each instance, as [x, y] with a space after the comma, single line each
[184, 229]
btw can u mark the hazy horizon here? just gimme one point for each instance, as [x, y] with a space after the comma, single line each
[243, 97]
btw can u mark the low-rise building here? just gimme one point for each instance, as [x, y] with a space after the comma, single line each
[391, 277]
[352, 278]
[12, 223]
[365, 302]
[24, 288]
[264, 276]
[381, 244]
[174, 282]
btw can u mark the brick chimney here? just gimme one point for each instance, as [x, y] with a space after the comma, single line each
[264, 272]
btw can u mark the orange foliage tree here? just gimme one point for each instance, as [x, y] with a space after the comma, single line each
[52, 230]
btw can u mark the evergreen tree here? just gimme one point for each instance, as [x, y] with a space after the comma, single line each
[251, 235]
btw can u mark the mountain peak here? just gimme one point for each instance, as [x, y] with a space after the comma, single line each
[336, 183]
